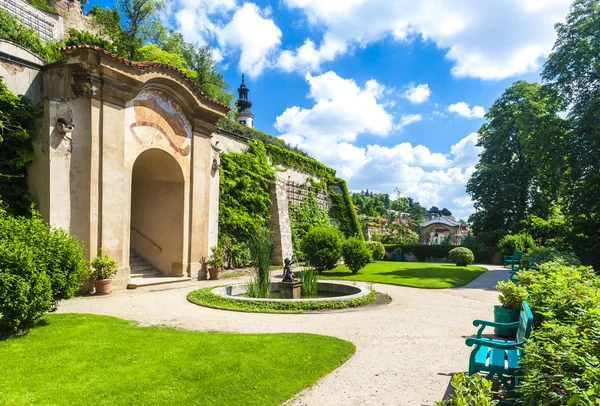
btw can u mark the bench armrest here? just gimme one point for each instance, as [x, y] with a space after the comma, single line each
[487, 343]
[494, 324]
[485, 323]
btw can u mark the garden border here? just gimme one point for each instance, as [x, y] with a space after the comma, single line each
[206, 298]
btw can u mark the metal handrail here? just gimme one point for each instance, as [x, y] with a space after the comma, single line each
[151, 242]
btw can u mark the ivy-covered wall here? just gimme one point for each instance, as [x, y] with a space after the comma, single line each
[280, 154]
[18, 119]
[244, 182]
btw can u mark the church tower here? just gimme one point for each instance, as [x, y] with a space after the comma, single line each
[245, 116]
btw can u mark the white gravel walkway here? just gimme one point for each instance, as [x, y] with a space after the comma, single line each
[406, 352]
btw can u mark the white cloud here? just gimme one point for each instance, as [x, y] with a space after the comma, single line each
[193, 18]
[464, 201]
[247, 30]
[463, 110]
[342, 110]
[253, 35]
[466, 151]
[408, 119]
[308, 57]
[417, 94]
[487, 40]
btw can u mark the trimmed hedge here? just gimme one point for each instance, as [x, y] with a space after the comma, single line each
[377, 250]
[483, 255]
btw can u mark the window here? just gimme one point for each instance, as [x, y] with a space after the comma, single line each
[243, 122]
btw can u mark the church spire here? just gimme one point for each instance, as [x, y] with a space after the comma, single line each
[245, 116]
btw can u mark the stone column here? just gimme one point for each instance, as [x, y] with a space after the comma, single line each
[279, 223]
[200, 194]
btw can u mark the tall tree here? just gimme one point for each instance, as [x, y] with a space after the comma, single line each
[522, 161]
[573, 70]
[138, 14]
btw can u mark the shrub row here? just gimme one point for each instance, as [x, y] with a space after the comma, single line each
[325, 245]
[482, 254]
[562, 358]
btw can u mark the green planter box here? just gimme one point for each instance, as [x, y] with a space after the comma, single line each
[399, 257]
[503, 315]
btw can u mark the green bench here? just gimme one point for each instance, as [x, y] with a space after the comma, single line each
[513, 259]
[500, 357]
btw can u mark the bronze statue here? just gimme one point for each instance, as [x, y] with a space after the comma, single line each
[288, 276]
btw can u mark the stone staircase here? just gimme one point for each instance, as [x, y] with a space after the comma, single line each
[140, 267]
[143, 273]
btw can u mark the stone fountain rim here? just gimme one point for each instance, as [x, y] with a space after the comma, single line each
[362, 292]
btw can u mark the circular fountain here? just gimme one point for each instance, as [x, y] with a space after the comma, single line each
[326, 292]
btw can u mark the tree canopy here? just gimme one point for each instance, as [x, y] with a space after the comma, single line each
[136, 33]
[540, 165]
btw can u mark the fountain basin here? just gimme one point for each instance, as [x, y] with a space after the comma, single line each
[332, 291]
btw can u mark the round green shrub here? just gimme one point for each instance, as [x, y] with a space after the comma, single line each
[516, 242]
[377, 250]
[25, 291]
[323, 247]
[356, 254]
[50, 265]
[461, 256]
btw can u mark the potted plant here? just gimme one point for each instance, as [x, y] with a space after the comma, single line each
[511, 297]
[203, 272]
[103, 268]
[215, 262]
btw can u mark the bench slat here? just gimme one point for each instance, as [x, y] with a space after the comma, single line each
[498, 358]
[513, 359]
[482, 355]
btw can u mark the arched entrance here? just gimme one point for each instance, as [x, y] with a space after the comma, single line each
[157, 212]
[438, 229]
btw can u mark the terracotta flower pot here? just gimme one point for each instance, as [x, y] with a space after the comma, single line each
[102, 286]
[215, 273]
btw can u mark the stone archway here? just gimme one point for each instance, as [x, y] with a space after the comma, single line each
[429, 228]
[157, 211]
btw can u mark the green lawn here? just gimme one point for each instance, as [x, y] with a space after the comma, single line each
[416, 274]
[100, 360]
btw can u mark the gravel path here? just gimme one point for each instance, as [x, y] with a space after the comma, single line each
[406, 351]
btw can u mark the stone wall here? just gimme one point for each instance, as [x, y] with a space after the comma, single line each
[280, 224]
[290, 188]
[20, 70]
[74, 17]
[48, 25]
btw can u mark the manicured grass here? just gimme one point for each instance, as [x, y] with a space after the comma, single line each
[416, 274]
[100, 360]
[231, 275]
[205, 297]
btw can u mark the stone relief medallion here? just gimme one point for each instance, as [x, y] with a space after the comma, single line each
[159, 116]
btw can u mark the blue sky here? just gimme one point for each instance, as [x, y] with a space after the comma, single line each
[389, 93]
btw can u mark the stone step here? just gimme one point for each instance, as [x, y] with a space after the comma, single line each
[163, 280]
[145, 274]
[147, 265]
[138, 263]
[140, 268]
